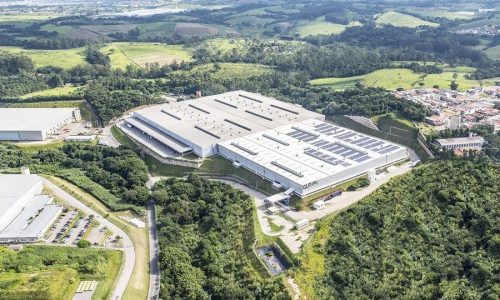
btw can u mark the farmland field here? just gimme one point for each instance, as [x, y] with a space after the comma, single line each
[194, 29]
[231, 70]
[405, 78]
[66, 58]
[436, 13]
[401, 20]
[54, 92]
[493, 52]
[320, 26]
[123, 54]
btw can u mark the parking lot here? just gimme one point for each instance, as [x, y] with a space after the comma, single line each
[71, 227]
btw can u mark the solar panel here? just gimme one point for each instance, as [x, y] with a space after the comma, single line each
[170, 114]
[237, 124]
[207, 132]
[225, 103]
[392, 148]
[199, 108]
[374, 145]
[250, 98]
[360, 140]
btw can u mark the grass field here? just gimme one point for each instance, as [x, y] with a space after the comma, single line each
[441, 13]
[405, 78]
[66, 58]
[313, 259]
[139, 283]
[231, 70]
[54, 92]
[25, 17]
[402, 20]
[493, 52]
[123, 54]
[28, 274]
[44, 104]
[320, 26]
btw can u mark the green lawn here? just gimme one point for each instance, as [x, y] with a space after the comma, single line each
[54, 92]
[402, 20]
[320, 26]
[405, 78]
[123, 54]
[25, 17]
[66, 58]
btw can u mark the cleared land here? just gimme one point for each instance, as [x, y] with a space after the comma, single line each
[195, 29]
[402, 20]
[123, 54]
[48, 272]
[54, 92]
[405, 78]
[320, 26]
[66, 58]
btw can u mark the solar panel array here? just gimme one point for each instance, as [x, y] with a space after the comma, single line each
[355, 138]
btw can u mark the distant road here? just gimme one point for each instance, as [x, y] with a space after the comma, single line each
[128, 247]
[154, 277]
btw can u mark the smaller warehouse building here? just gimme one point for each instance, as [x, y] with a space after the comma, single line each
[25, 214]
[471, 142]
[34, 124]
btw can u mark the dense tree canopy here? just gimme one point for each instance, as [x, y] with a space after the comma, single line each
[206, 237]
[434, 233]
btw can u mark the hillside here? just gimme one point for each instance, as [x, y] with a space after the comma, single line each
[433, 233]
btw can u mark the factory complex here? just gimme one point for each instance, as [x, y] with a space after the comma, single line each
[34, 124]
[25, 213]
[284, 143]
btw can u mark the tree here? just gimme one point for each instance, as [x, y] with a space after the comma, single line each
[453, 85]
[83, 244]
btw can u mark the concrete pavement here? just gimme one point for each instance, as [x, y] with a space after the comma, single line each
[154, 252]
[128, 248]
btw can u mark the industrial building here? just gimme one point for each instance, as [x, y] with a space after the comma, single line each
[198, 125]
[25, 214]
[288, 145]
[34, 124]
[311, 155]
[471, 142]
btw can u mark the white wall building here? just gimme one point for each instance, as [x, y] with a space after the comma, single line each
[311, 155]
[284, 143]
[34, 124]
[25, 215]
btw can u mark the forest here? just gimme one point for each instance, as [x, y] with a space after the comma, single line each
[431, 234]
[205, 238]
[120, 171]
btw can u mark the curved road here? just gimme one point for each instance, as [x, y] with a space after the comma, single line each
[128, 248]
[154, 276]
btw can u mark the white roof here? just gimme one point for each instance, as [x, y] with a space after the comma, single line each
[33, 119]
[13, 186]
[310, 150]
[209, 120]
[33, 219]
[460, 140]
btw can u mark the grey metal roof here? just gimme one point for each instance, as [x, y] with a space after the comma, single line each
[33, 119]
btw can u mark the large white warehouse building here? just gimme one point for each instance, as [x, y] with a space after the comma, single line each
[281, 142]
[34, 124]
[25, 214]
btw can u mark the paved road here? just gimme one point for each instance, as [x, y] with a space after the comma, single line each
[128, 247]
[154, 273]
[107, 138]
